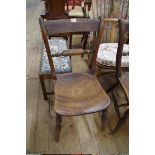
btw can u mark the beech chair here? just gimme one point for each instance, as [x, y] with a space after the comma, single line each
[75, 93]
[121, 77]
[106, 58]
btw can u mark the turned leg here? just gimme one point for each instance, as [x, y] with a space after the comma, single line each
[121, 121]
[103, 119]
[58, 127]
[42, 81]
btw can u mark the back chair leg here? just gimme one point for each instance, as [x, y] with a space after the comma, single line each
[103, 119]
[85, 40]
[112, 87]
[58, 127]
[121, 121]
[115, 104]
[42, 81]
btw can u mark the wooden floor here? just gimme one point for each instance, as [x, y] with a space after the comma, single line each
[80, 134]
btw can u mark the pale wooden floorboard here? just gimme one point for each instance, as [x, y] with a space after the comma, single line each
[41, 132]
[105, 140]
[31, 111]
[87, 138]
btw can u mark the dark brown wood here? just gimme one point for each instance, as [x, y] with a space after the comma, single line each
[121, 121]
[103, 119]
[124, 81]
[43, 86]
[122, 77]
[55, 9]
[58, 127]
[123, 29]
[76, 93]
[71, 25]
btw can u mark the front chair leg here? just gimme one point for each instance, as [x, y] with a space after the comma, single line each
[103, 119]
[42, 81]
[58, 127]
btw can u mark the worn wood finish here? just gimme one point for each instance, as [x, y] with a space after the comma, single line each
[54, 9]
[123, 78]
[51, 27]
[69, 25]
[124, 81]
[77, 99]
[54, 30]
[71, 90]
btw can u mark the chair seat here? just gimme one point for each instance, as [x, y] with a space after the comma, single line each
[62, 64]
[124, 81]
[107, 54]
[77, 11]
[79, 93]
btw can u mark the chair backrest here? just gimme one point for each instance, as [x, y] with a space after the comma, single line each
[123, 32]
[55, 9]
[51, 27]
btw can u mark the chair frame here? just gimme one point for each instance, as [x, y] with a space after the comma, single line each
[113, 38]
[55, 26]
[123, 29]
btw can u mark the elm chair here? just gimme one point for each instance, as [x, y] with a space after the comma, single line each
[106, 58]
[121, 77]
[75, 93]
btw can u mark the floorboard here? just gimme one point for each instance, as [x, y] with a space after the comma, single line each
[32, 91]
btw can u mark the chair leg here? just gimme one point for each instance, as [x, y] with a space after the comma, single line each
[85, 40]
[58, 127]
[41, 77]
[112, 87]
[103, 119]
[121, 121]
[70, 41]
[116, 105]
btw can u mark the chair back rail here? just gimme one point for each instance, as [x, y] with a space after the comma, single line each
[51, 27]
[123, 30]
[71, 25]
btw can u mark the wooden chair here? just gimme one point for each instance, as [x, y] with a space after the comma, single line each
[54, 9]
[80, 11]
[75, 93]
[62, 64]
[121, 77]
[106, 58]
